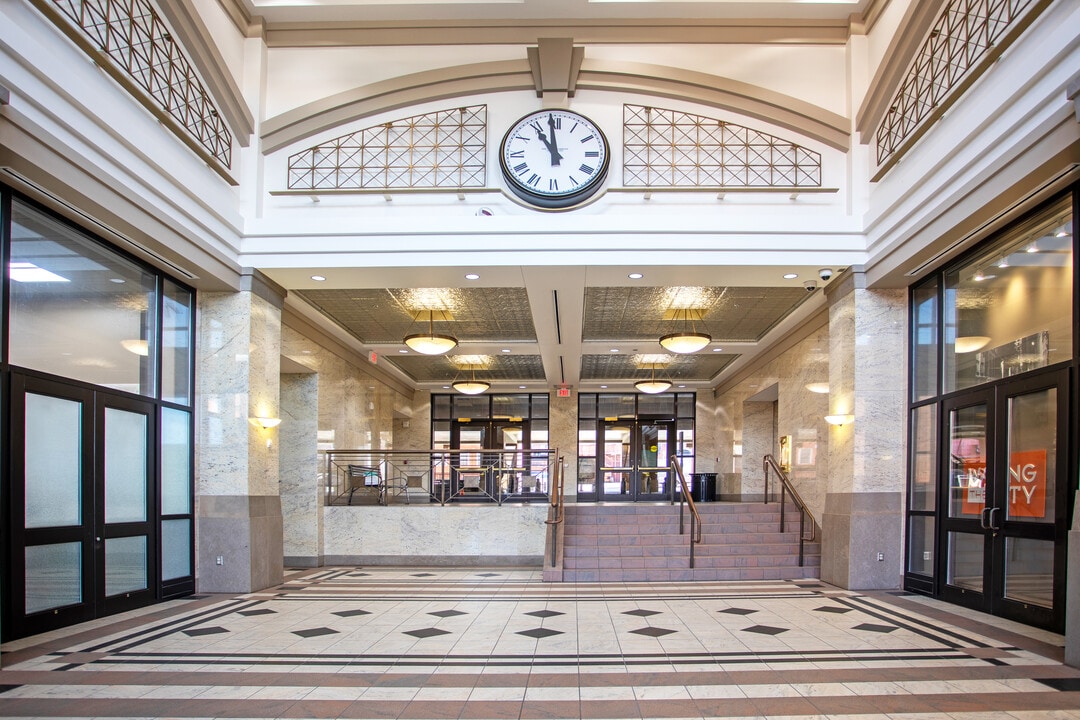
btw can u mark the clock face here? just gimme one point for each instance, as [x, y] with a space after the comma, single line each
[554, 158]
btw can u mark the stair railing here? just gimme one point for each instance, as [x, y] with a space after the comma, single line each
[804, 512]
[556, 514]
[686, 498]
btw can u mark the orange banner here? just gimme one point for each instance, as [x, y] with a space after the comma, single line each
[1027, 484]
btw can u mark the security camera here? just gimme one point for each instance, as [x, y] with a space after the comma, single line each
[810, 286]
[824, 274]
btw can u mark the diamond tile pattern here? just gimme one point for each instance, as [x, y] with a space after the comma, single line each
[545, 613]
[315, 632]
[199, 632]
[426, 632]
[447, 613]
[738, 611]
[539, 633]
[653, 631]
[351, 613]
[256, 612]
[642, 613]
[765, 630]
[871, 627]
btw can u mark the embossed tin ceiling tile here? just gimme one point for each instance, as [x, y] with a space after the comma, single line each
[503, 368]
[681, 368]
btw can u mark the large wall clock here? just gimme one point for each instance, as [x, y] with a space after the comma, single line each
[554, 158]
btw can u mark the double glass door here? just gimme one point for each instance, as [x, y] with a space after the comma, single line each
[1004, 528]
[493, 463]
[81, 504]
[635, 460]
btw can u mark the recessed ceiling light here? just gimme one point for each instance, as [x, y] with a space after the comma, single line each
[403, 352]
[635, 276]
[118, 281]
[472, 276]
[682, 386]
[614, 350]
[318, 278]
[521, 387]
[603, 387]
[790, 276]
[506, 350]
[718, 349]
[445, 387]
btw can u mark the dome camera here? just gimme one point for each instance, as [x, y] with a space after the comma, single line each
[824, 274]
[810, 286]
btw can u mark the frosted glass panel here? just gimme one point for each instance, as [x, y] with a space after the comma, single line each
[53, 576]
[175, 549]
[175, 462]
[125, 466]
[125, 565]
[176, 344]
[53, 461]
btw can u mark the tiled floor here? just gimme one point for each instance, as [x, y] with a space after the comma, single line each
[498, 643]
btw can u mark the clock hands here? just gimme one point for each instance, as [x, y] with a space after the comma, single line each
[552, 145]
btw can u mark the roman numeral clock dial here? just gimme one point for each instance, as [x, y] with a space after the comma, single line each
[554, 158]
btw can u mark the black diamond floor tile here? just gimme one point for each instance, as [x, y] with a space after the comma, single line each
[5, 688]
[653, 631]
[765, 630]
[426, 632]
[642, 613]
[539, 633]
[199, 632]
[544, 613]
[488, 574]
[359, 575]
[423, 575]
[351, 613]
[314, 632]
[738, 611]
[870, 627]
[447, 613]
[1062, 684]
[832, 609]
[257, 611]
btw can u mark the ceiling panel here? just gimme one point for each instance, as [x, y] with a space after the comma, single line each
[697, 367]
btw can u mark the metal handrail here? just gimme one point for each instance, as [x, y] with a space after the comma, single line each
[804, 512]
[438, 475]
[695, 518]
[558, 508]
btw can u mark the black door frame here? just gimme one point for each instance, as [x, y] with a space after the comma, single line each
[992, 525]
[634, 481]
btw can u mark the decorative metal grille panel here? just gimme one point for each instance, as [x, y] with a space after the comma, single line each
[964, 32]
[444, 149]
[132, 34]
[667, 148]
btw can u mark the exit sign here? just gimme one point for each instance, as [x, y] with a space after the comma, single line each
[563, 392]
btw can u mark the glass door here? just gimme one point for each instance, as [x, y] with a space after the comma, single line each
[1004, 524]
[635, 459]
[82, 504]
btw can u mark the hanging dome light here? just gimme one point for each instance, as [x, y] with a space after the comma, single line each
[429, 343]
[652, 386]
[689, 340]
[472, 386]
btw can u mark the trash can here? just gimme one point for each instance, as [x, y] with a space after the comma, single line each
[703, 487]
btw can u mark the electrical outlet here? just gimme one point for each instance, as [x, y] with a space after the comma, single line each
[926, 555]
[881, 557]
[220, 560]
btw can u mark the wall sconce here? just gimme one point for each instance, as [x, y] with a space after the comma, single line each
[821, 388]
[839, 419]
[265, 422]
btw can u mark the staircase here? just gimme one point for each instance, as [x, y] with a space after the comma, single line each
[641, 543]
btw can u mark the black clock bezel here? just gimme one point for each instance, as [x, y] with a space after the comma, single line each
[561, 201]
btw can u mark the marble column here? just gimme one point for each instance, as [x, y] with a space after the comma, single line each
[1072, 591]
[238, 508]
[300, 489]
[562, 436]
[862, 523]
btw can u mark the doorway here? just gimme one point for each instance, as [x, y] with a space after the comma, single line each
[1004, 523]
[84, 540]
[635, 460]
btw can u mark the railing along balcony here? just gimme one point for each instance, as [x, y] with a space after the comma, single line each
[393, 477]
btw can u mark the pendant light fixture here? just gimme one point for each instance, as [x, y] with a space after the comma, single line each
[689, 340]
[472, 386]
[429, 343]
[652, 386]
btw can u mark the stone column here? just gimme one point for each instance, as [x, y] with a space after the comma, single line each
[238, 508]
[862, 524]
[1072, 591]
[563, 436]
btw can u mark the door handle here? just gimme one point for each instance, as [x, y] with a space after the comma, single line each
[984, 518]
[993, 519]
